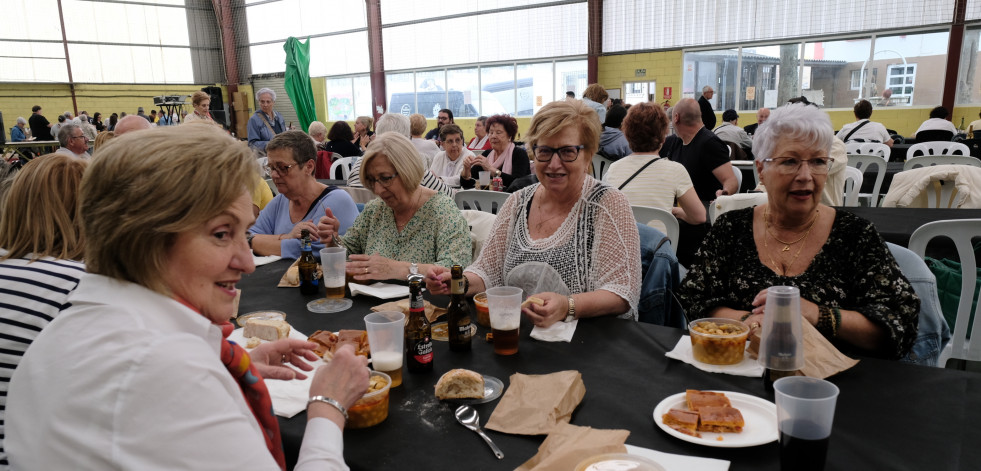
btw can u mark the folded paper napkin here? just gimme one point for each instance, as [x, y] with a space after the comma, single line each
[682, 351]
[567, 445]
[380, 290]
[557, 332]
[534, 404]
[672, 462]
[259, 260]
[288, 397]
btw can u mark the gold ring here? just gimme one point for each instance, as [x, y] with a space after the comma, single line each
[286, 358]
[365, 270]
[754, 325]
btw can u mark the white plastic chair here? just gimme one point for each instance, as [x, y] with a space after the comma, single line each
[727, 203]
[481, 200]
[960, 231]
[862, 163]
[646, 214]
[931, 160]
[739, 177]
[853, 183]
[600, 166]
[344, 164]
[481, 223]
[868, 148]
[937, 148]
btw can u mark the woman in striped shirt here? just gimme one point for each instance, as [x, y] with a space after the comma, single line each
[40, 242]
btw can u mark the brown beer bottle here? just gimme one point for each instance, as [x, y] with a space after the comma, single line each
[309, 281]
[458, 322]
[418, 333]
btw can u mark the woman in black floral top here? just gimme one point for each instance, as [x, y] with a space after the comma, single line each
[850, 285]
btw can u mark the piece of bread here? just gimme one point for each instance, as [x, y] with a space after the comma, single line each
[460, 384]
[684, 421]
[720, 419]
[266, 329]
[356, 338]
[252, 342]
[293, 275]
[696, 399]
[532, 300]
[326, 342]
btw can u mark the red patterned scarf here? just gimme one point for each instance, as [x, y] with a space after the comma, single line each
[239, 364]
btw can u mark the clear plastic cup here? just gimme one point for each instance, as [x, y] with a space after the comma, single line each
[484, 179]
[805, 413]
[333, 262]
[781, 341]
[504, 304]
[386, 335]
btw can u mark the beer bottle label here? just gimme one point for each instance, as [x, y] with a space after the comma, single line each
[423, 353]
[456, 286]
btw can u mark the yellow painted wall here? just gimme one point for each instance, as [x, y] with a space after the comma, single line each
[18, 99]
[662, 67]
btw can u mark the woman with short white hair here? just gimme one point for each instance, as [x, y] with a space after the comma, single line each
[266, 122]
[18, 133]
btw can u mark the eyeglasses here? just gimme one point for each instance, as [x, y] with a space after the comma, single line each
[791, 165]
[566, 153]
[385, 181]
[78, 137]
[281, 169]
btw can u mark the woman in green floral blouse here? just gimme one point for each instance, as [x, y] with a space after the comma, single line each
[408, 228]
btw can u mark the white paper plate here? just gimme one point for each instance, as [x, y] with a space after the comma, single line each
[760, 416]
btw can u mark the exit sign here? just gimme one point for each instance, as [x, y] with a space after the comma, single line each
[640, 72]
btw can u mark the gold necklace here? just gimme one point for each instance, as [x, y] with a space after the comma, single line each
[541, 214]
[766, 248]
[786, 245]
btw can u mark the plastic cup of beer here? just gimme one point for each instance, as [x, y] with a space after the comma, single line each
[386, 337]
[504, 304]
[484, 179]
[805, 412]
[333, 264]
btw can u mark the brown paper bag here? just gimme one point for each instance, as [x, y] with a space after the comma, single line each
[534, 404]
[568, 445]
[821, 358]
[432, 312]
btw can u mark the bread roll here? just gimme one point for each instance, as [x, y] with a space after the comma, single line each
[266, 329]
[460, 384]
[532, 300]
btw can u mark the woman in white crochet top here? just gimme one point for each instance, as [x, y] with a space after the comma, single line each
[580, 227]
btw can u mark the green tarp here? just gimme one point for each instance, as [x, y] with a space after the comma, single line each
[297, 81]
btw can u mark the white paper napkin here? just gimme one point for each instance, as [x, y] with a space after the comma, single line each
[288, 397]
[380, 290]
[682, 351]
[259, 260]
[557, 332]
[672, 462]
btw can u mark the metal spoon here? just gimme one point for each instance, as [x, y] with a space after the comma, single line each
[468, 417]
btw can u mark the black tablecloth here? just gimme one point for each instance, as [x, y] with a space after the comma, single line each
[890, 415]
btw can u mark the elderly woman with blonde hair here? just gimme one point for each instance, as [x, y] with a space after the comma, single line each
[40, 252]
[428, 149]
[318, 131]
[201, 104]
[147, 328]
[595, 96]
[363, 135]
[409, 228]
[575, 231]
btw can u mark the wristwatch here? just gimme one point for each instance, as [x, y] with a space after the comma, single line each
[571, 316]
[413, 269]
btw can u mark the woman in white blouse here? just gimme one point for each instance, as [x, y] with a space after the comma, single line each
[449, 161]
[580, 227]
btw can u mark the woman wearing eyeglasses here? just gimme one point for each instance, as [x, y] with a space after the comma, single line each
[409, 228]
[503, 159]
[301, 201]
[851, 288]
[570, 229]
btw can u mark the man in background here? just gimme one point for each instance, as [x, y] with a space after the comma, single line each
[730, 131]
[445, 116]
[864, 129]
[40, 127]
[73, 141]
[131, 123]
[762, 115]
[708, 114]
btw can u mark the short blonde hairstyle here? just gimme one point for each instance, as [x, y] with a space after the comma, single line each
[198, 97]
[417, 124]
[596, 92]
[556, 116]
[102, 139]
[40, 216]
[136, 199]
[401, 154]
[368, 121]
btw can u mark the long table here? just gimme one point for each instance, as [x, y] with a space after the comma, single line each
[890, 415]
[22, 148]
